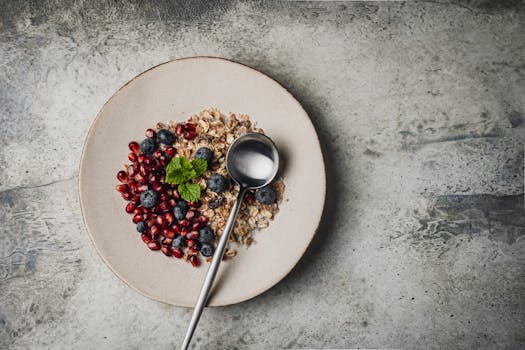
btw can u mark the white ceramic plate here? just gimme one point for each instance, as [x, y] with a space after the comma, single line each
[173, 91]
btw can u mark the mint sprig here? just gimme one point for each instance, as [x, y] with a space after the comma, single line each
[180, 172]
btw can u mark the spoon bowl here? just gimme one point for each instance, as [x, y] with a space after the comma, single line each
[252, 160]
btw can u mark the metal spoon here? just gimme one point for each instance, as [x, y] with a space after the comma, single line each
[252, 162]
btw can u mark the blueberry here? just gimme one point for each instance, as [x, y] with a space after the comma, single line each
[207, 250]
[179, 242]
[179, 212]
[265, 195]
[165, 137]
[148, 146]
[204, 153]
[217, 183]
[183, 205]
[141, 226]
[206, 235]
[149, 199]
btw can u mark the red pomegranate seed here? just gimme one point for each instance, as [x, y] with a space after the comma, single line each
[170, 152]
[195, 204]
[135, 199]
[169, 217]
[163, 197]
[194, 249]
[250, 197]
[190, 127]
[194, 260]
[172, 202]
[163, 161]
[190, 135]
[139, 211]
[141, 188]
[179, 129]
[146, 238]
[133, 157]
[166, 241]
[132, 184]
[143, 171]
[157, 154]
[149, 161]
[151, 221]
[137, 218]
[203, 219]
[176, 228]
[154, 230]
[193, 235]
[166, 249]
[158, 187]
[142, 157]
[122, 176]
[176, 194]
[190, 242]
[134, 147]
[177, 253]
[160, 220]
[122, 188]
[184, 222]
[126, 195]
[196, 226]
[130, 208]
[168, 233]
[154, 245]
[132, 171]
[150, 133]
[190, 214]
[184, 231]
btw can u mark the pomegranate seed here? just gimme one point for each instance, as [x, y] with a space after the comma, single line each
[154, 230]
[190, 214]
[203, 219]
[137, 218]
[169, 217]
[132, 171]
[172, 202]
[149, 161]
[154, 245]
[163, 161]
[196, 226]
[151, 133]
[184, 231]
[146, 211]
[193, 235]
[141, 188]
[158, 187]
[151, 221]
[190, 135]
[184, 222]
[135, 199]
[170, 152]
[190, 242]
[122, 188]
[134, 147]
[160, 220]
[176, 229]
[176, 194]
[132, 184]
[130, 208]
[177, 253]
[194, 260]
[194, 249]
[143, 171]
[163, 197]
[139, 211]
[250, 197]
[122, 176]
[141, 180]
[179, 129]
[190, 127]
[126, 195]
[133, 157]
[166, 249]
[146, 238]
[195, 204]
[168, 233]
[166, 241]
[142, 157]
[157, 153]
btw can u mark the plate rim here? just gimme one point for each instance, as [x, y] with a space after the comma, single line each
[278, 278]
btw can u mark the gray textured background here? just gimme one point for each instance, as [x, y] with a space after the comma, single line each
[419, 107]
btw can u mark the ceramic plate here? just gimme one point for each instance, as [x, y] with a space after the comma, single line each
[173, 91]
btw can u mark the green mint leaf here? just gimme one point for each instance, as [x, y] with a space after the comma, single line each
[199, 165]
[176, 177]
[189, 191]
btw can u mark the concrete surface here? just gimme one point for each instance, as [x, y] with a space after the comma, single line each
[420, 109]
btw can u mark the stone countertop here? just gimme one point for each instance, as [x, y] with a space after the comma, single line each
[420, 111]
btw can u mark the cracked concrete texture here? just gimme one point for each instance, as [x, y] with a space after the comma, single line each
[420, 110]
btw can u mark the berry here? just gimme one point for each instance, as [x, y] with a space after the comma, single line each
[149, 199]
[206, 235]
[204, 153]
[179, 242]
[141, 226]
[217, 183]
[148, 146]
[207, 250]
[166, 137]
[179, 213]
[183, 204]
[265, 195]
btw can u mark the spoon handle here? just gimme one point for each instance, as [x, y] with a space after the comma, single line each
[214, 267]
